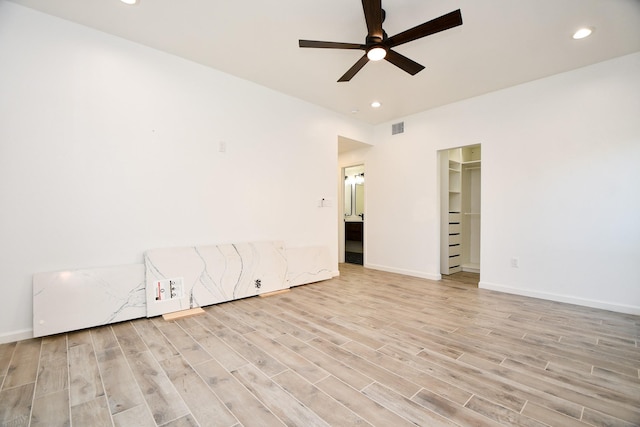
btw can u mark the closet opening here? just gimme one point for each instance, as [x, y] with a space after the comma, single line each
[460, 203]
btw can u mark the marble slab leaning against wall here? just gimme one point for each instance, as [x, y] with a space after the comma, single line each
[308, 264]
[185, 277]
[77, 299]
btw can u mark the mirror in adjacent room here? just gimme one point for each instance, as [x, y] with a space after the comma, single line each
[354, 192]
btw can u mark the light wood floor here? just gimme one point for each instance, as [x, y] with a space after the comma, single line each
[367, 348]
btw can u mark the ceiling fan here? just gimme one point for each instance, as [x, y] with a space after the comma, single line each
[379, 46]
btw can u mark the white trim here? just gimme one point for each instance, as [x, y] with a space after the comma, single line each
[603, 305]
[412, 273]
[23, 334]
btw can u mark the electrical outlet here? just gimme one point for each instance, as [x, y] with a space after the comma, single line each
[515, 263]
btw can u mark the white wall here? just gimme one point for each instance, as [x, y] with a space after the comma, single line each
[109, 148]
[560, 187]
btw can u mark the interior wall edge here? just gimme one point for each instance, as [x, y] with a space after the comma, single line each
[19, 335]
[567, 299]
[412, 273]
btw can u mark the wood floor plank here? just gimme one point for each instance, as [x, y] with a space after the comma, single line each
[250, 352]
[414, 412]
[361, 405]
[184, 343]
[244, 405]
[51, 410]
[120, 386]
[155, 340]
[282, 404]
[451, 411]
[6, 353]
[550, 417]
[379, 374]
[329, 409]
[501, 414]
[592, 397]
[130, 341]
[203, 403]
[138, 416]
[313, 329]
[442, 388]
[94, 413]
[23, 368]
[288, 357]
[15, 406]
[53, 371]
[186, 421]
[219, 313]
[335, 367]
[225, 355]
[164, 401]
[103, 338]
[597, 418]
[85, 384]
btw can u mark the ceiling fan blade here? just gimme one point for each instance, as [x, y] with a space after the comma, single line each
[445, 22]
[403, 62]
[330, 45]
[373, 16]
[353, 70]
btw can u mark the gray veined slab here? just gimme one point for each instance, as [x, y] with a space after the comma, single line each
[77, 299]
[308, 264]
[185, 277]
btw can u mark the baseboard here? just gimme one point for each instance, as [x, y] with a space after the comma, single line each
[412, 273]
[23, 334]
[603, 305]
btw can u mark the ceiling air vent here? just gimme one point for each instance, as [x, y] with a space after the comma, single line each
[397, 128]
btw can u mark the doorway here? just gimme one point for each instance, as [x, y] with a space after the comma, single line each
[354, 179]
[460, 201]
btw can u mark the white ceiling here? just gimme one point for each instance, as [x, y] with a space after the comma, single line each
[501, 43]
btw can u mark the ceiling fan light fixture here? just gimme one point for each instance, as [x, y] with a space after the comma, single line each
[583, 33]
[376, 53]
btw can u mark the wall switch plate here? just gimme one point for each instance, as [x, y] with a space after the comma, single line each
[326, 202]
[515, 263]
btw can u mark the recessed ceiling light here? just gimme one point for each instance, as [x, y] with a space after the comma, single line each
[129, 1]
[376, 104]
[582, 33]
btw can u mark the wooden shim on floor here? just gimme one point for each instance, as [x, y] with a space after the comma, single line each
[182, 314]
[268, 294]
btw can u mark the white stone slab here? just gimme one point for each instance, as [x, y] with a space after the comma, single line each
[77, 299]
[213, 274]
[308, 264]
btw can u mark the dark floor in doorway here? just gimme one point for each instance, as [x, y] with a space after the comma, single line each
[354, 258]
